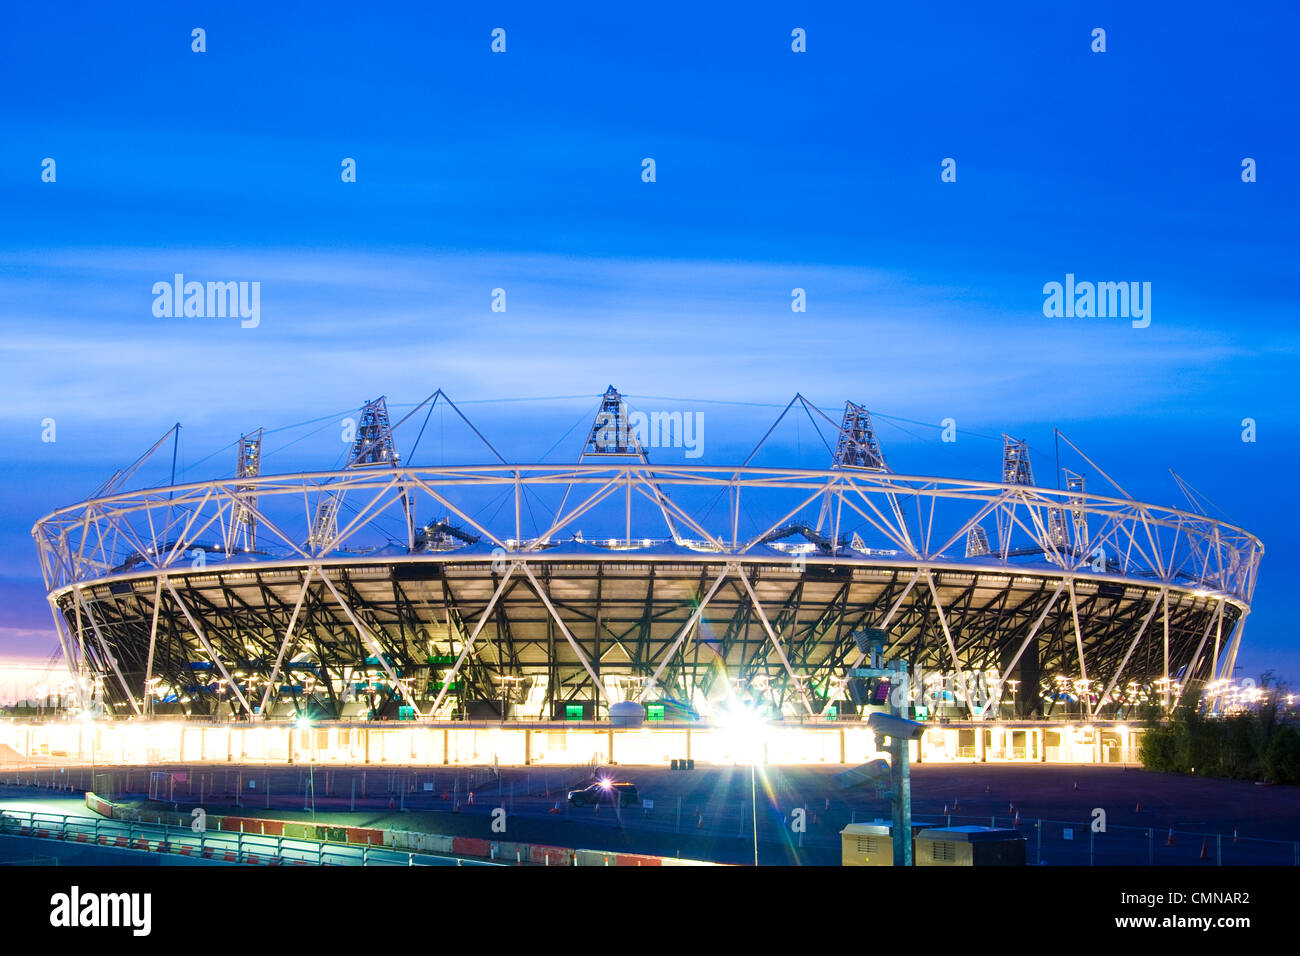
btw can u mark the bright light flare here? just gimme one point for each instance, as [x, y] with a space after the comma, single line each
[746, 731]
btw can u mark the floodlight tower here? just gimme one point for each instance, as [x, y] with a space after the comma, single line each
[977, 542]
[1057, 531]
[1015, 462]
[610, 435]
[1015, 471]
[1078, 517]
[856, 447]
[247, 465]
[372, 447]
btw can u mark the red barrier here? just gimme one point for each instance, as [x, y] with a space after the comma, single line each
[365, 835]
[551, 855]
[471, 846]
[632, 859]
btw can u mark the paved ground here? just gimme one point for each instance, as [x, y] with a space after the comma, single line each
[706, 813]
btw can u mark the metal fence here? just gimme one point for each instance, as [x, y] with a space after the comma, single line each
[219, 845]
[1066, 843]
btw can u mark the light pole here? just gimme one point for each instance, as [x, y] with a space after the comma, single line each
[747, 727]
[304, 723]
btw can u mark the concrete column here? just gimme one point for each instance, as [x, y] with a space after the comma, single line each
[291, 745]
[446, 746]
[688, 743]
[366, 732]
[611, 745]
[842, 751]
[528, 746]
[979, 744]
[1042, 745]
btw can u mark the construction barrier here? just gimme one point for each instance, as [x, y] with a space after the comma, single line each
[471, 846]
[410, 841]
[551, 855]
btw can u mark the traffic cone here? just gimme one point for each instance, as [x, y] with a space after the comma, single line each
[1205, 849]
[1017, 822]
[828, 803]
[556, 808]
[945, 809]
[1010, 806]
[700, 824]
[1138, 807]
[1235, 838]
[1170, 840]
[1076, 785]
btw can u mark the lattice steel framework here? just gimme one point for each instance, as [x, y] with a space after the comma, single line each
[669, 595]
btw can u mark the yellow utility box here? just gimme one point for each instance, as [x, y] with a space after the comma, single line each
[872, 844]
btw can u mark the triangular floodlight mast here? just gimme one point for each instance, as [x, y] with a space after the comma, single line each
[857, 446]
[611, 436]
[977, 542]
[365, 448]
[1075, 484]
[374, 445]
[248, 464]
[1016, 469]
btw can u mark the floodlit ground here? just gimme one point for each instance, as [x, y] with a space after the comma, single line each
[706, 813]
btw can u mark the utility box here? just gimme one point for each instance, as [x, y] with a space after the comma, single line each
[872, 844]
[969, 846]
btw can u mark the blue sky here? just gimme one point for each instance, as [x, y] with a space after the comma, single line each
[775, 170]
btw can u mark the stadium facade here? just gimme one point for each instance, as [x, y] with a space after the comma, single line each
[545, 592]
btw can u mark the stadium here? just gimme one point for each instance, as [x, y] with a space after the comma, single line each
[532, 594]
